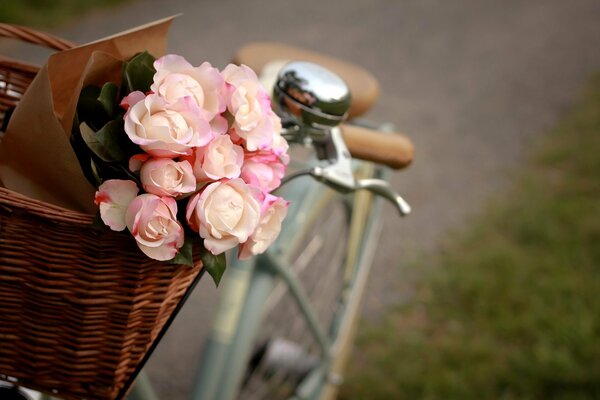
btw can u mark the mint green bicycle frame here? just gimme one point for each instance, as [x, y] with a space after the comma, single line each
[247, 285]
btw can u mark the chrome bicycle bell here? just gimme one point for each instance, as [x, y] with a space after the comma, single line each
[310, 95]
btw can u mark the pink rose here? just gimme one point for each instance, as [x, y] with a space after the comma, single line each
[176, 78]
[220, 159]
[113, 198]
[167, 130]
[249, 103]
[274, 210]
[280, 145]
[263, 170]
[166, 177]
[225, 214]
[137, 160]
[131, 99]
[237, 74]
[152, 221]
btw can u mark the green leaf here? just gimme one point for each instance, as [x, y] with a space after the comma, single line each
[95, 173]
[139, 72]
[124, 173]
[90, 92]
[214, 265]
[108, 97]
[107, 143]
[90, 110]
[82, 152]
[185, 255]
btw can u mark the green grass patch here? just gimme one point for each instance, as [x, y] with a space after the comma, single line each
[511, 308]
[48, 13]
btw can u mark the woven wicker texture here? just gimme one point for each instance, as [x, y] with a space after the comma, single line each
[79, 307]
[15, 76]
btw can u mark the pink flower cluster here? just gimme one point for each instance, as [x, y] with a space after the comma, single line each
[211, 139]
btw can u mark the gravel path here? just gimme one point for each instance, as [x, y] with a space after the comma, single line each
[474, 83]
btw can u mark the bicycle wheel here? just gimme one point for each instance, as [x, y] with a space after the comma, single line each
[286, 350]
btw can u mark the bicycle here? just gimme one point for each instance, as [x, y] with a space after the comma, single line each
[339, 224]
[272, 356]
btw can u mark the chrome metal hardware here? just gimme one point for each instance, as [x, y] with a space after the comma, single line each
[338, 173]
[382, 188]
[311, 96]
[312, 101]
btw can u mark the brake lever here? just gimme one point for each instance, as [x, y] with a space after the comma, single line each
[339, 174]
[382, 188]
[327, 175]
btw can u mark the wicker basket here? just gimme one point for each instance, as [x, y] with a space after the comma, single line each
[79, 307]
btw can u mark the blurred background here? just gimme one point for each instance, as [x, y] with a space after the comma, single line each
[489, 289]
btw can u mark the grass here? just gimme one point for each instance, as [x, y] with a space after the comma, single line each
[48, 13]
[511, 309]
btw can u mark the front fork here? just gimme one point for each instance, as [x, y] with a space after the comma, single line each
[246, 287]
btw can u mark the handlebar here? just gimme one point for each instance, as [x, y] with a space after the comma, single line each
[392, 149]
[313, 102]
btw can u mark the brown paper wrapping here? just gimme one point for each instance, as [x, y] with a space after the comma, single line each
[36, 157]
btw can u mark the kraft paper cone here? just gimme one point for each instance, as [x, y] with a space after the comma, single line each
[36, 157]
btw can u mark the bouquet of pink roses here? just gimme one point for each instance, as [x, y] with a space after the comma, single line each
[184, 158]
[183, 155]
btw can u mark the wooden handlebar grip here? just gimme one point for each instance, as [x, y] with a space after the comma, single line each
[392, 149]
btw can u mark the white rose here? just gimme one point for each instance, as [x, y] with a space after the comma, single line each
[152, 221]
[249, 103]
[166, 177]
[220, 159]
[224, 213]
[176, 78]
[263, 170]
[269, 226]
[113, 198]
[167, 130]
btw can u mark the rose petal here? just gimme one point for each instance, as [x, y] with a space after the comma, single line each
[131, 99]
[274, 210]
[152, 222]
[113, 197]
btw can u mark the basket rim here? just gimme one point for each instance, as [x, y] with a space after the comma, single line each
[9, 62]
[14, 200]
